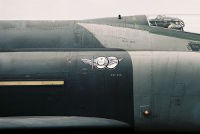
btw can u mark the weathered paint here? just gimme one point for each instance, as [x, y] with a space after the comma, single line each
[167, 83]
[134, 39]
[87, 91]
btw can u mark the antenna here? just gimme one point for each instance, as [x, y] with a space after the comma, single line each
[119, 17]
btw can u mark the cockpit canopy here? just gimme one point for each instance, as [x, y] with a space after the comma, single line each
[167, 22]
[187, 23]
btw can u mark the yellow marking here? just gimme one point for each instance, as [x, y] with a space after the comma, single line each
[30, 83]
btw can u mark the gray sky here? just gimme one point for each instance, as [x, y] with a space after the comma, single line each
[83, 9]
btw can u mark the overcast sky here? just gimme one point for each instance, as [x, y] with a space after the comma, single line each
[83, 9]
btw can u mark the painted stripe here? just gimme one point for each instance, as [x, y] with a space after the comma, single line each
[30, 83]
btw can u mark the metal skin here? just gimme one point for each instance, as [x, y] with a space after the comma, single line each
[154, 86]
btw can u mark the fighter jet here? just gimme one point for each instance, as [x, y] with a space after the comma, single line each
[122, 71]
